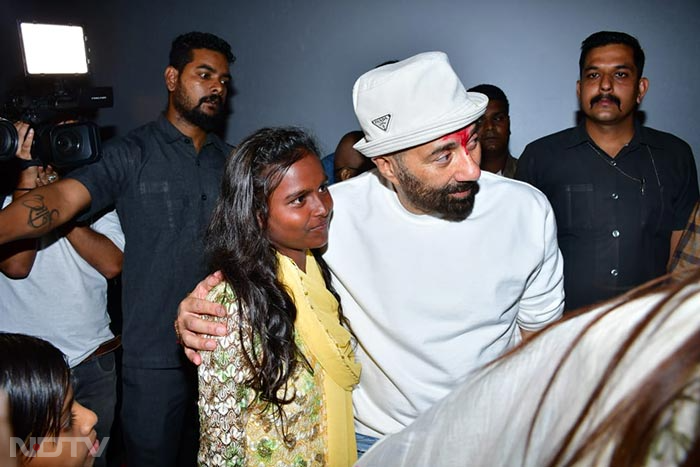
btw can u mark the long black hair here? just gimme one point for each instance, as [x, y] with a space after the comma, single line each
[237, 243]
[36, 378]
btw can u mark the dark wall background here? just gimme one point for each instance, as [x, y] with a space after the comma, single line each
[297, 60]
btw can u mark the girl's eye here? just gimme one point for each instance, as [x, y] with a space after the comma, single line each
[299, 200]
[68, 423]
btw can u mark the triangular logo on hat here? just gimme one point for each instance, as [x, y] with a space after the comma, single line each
[382, 122]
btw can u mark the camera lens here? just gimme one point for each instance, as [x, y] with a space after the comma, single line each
[67, 143]
[71, 145]
[9, 140]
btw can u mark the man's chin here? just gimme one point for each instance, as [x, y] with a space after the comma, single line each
[457, 216]
[205, 121]
[460, 204]
[491, 146]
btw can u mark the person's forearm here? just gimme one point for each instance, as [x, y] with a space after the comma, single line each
[17, 258]
[97, 250]
[42, 210]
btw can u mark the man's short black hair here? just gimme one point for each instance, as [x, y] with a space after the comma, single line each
[494, 93]
[181, 49]
[602, 38]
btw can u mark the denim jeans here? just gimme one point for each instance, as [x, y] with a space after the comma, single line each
[364, 442]
[95, 387]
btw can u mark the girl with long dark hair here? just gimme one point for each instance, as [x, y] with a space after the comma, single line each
[48, 427]
[277, 390]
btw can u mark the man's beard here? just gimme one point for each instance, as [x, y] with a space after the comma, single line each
[195, 115]
[438, 201]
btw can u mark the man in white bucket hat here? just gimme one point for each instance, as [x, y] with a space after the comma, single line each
[440, 268]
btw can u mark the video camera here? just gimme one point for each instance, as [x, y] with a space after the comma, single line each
[62, 138]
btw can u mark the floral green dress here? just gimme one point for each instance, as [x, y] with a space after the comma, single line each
[237, 429]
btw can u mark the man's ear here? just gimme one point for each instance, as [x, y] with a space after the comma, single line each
[387, 167]
[642, 89]
[344, 173]
[578, 89]
[171, 76]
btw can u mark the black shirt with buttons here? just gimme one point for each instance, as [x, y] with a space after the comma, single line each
[614, 215]
[164, 193]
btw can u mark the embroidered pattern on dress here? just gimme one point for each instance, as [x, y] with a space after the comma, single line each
[236, 428]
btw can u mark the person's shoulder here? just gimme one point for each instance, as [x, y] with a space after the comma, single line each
[510, 194]
[134, 138]
[553, 140]
[664, 140]
[356, 186]
[510, 187]
[224, 148]
[222, 293]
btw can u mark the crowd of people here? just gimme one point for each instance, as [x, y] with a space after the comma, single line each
[409, 314]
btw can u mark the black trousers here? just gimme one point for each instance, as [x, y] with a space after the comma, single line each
[95, 387]
[159, 416]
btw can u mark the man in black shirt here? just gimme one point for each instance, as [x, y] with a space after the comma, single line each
[164, 179]
[621, 192]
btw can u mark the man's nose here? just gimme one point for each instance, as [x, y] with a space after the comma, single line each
[468, 169]
[605, 83]
[218, 88]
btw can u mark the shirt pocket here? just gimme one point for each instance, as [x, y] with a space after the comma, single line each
[573, 206]
[160, 206]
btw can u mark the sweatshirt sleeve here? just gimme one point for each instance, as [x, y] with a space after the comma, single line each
[543, 299]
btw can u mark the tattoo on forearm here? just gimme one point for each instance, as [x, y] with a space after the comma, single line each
[39, 214]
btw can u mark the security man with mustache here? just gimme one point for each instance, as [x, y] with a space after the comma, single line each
[163, 179]
[621, 192]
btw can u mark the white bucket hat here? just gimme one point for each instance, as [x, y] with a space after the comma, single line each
[412, 102]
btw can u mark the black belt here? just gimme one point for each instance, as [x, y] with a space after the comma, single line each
[105, 348]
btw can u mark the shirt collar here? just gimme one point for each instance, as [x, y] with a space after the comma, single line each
[578, 136]
[172, 134]
[641, 136]
[645, 136]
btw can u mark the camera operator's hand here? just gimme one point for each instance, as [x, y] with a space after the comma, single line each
[26, 135]
[28, 178]
[46, 176]
[33, 176]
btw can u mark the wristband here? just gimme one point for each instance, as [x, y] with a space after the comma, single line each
[26, 163]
